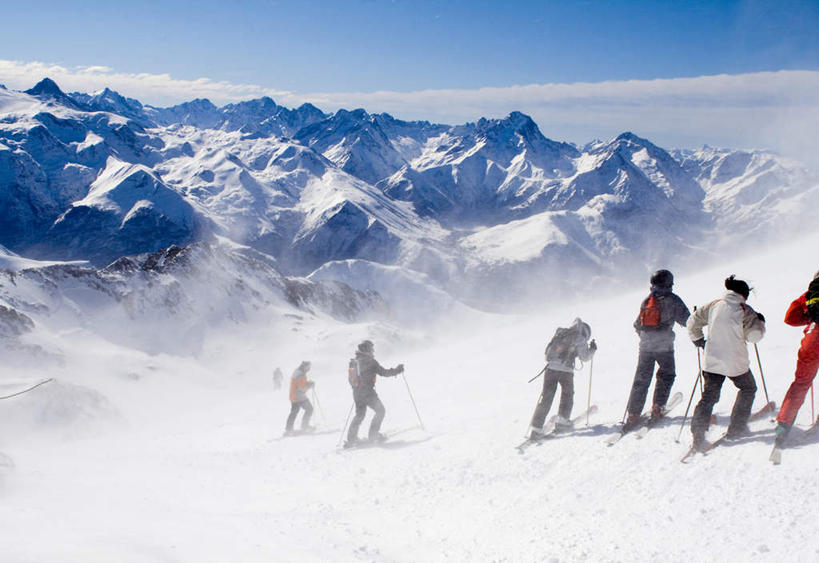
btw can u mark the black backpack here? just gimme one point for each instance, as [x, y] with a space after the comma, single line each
[561, 347]
[812, 300]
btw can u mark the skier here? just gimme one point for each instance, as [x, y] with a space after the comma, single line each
[655, 326]
[277, 378]
[731, 324]
[362, 372]
[807, 359]
[299, 384]
[566, 345]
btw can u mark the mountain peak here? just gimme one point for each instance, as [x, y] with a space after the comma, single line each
[628, 136]
[45, 87]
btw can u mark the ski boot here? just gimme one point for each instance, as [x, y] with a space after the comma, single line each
[562, 424]
[536, 434]
[378, 437]
[656, 415]
[632, 422]
[737, 432]
[781, 434]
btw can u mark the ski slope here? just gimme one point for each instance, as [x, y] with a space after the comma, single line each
[136, 458]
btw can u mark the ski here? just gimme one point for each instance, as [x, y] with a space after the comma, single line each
[703, 450]
[642, 425]
[553, 431]
[299, 433]
[769, 407]
[675, 400]
[388, 435]
[804, 437]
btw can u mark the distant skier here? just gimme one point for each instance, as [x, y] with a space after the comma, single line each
[362, 372]
[299, 384]
[565, 346]
[655, 325]
[277, 378]
[731, 324]
[804, 311]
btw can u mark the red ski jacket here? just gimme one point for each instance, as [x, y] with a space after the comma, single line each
[797, 314]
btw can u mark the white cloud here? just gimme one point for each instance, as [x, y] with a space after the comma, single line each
[777, 110]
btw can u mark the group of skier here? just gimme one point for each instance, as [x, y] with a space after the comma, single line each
[362, 372]
[732, 324]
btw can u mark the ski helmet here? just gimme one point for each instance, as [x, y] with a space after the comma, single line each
[662, 278]
[737, 286]
[584, 328]
[366, 346]
[816, 275]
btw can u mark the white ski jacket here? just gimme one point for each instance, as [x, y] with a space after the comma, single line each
[731, 324]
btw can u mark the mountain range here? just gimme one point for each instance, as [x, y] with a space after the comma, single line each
[487, 212]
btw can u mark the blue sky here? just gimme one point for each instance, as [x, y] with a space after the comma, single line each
[403, 45]
[682, 73]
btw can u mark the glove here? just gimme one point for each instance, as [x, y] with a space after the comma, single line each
[761, 317]
[400, 368]
[700, 343]
[593, 346]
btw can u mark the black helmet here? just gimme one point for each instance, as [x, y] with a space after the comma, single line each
[366, 346]
[662, 278]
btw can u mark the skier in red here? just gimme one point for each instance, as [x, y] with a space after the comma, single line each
[807, 359]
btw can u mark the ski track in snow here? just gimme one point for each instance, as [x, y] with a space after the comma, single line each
[188, 471]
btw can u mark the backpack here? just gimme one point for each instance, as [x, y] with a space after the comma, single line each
[561, 347]
[353, 374]
[812, 300]
[651, 312]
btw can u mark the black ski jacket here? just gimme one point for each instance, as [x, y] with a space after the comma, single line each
[661, 338]
[368, 368]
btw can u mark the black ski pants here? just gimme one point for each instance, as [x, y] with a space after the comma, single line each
[294, 411]
[362, 401]
[710, 396]
[551, 378]
[642, 379]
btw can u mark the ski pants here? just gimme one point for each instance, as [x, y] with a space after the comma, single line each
[642, 379]
[551, 378]
[294, 411]
[807, 362]
[710, 396]
[361, 403]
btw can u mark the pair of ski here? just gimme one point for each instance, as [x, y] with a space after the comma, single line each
[808, 434]
[708, 446]
[297, 433]
[554, 431]
[643, 425]
[376, 443]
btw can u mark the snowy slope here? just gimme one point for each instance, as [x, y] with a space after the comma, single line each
[173, 458]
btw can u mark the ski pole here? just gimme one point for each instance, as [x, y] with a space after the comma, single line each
[538, 374]
[761, 374]
[404, 377]
[588, 401]
[691, 398]
[318, 404]
[812, 413]
[29, 389]
[346, 422]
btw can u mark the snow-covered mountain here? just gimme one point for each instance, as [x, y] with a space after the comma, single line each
[477, 208]
[169, 300]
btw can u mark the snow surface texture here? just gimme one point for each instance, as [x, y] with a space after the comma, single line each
[136, 457]
[484, 211]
